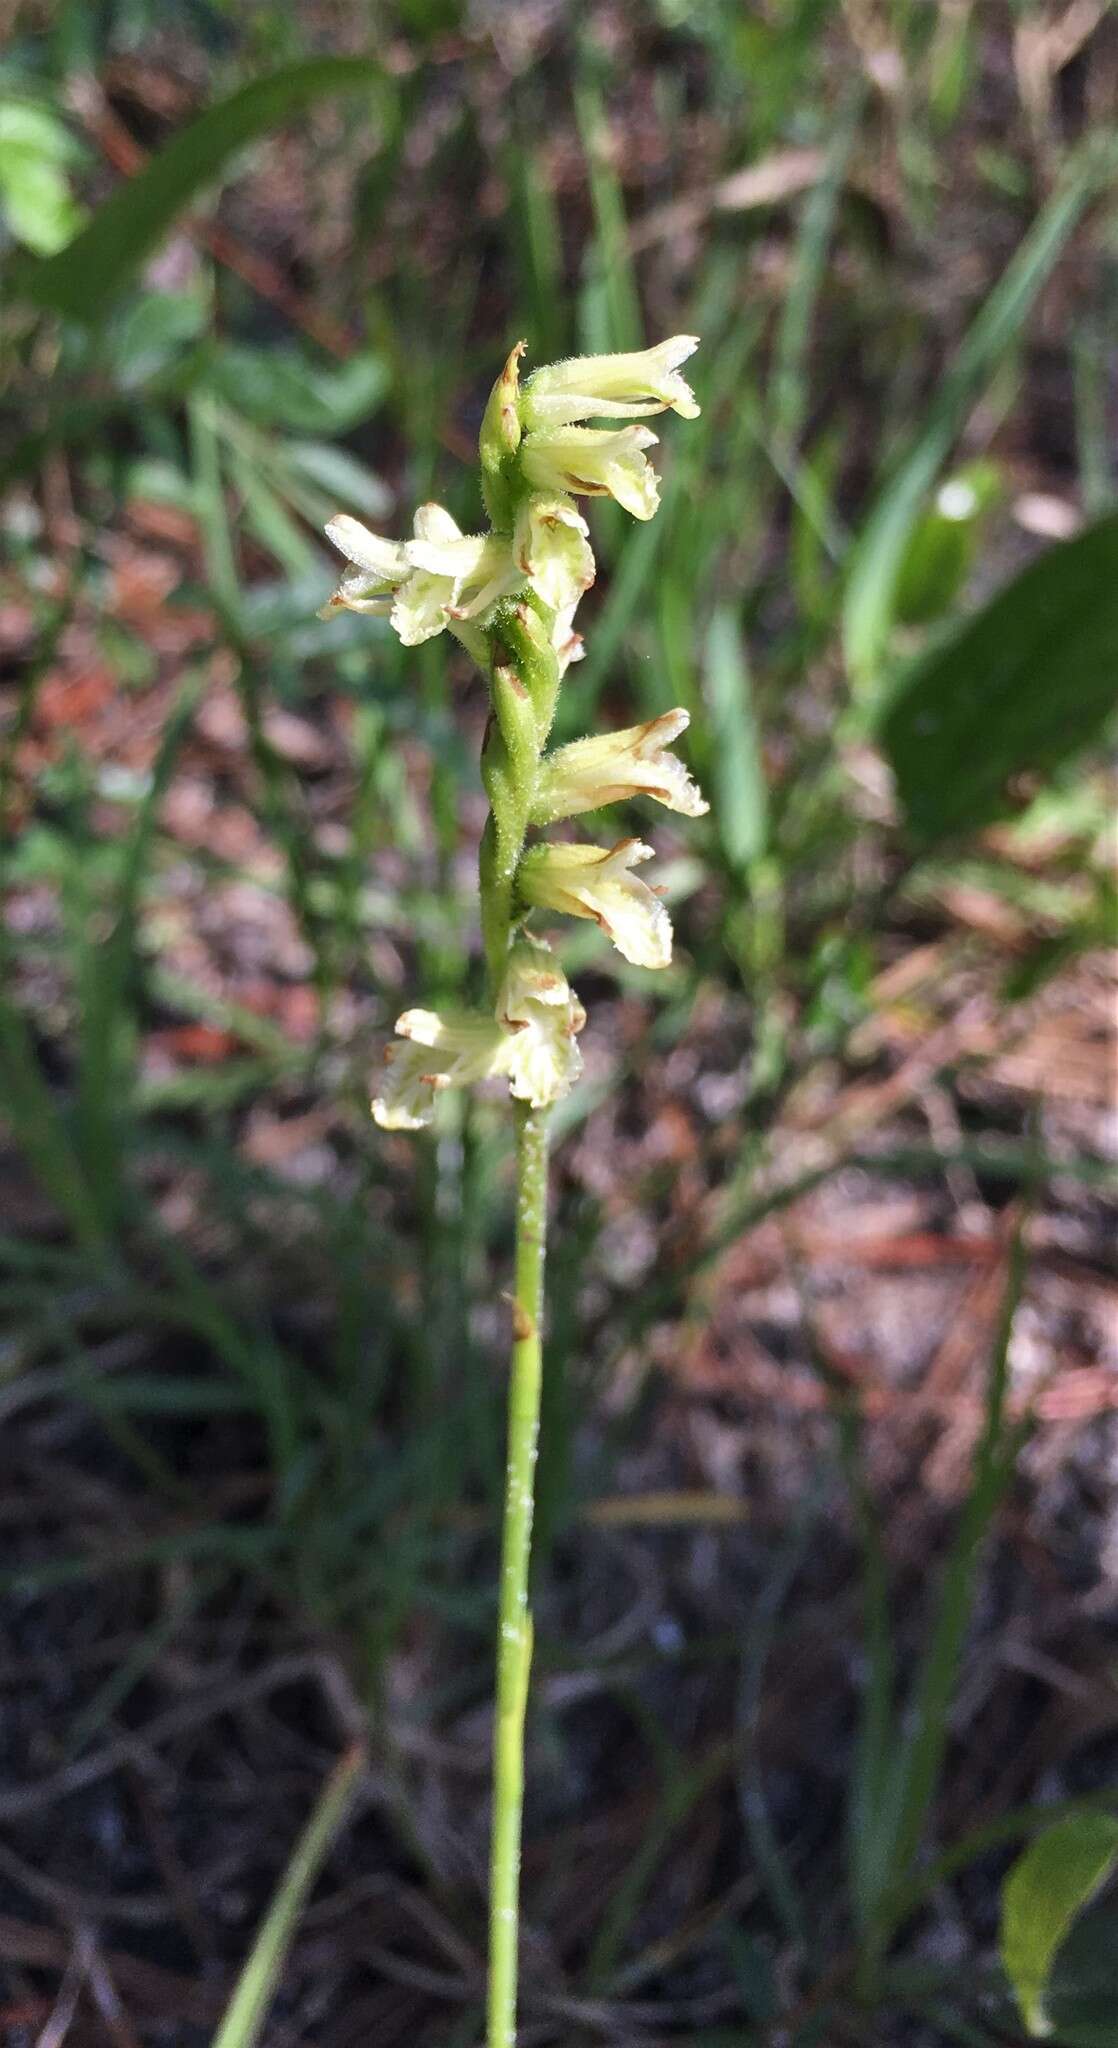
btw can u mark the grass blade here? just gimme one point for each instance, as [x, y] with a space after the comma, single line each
[104, 971]
[256, 1987]
[921, 1760]
[611, 303]
[789, 388]
[736, 767]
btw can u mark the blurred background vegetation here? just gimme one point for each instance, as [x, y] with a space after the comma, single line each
[828, 1503]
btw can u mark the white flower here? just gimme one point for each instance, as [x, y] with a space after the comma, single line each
[594, 464]
[593, 881]
[552, 547]
[438, 1052]
[453, 576]
[542, 1015]
[620, 765]
[613, 387]
[441, 577]
[379, 565]
[530, 1043]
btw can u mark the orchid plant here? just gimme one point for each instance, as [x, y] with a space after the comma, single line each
[510, 596]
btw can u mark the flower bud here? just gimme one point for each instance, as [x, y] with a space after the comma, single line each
[620, 765]
[530, 642]
[595, 881]
[499, 440]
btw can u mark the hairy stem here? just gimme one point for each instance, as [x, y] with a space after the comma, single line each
[514, 1639]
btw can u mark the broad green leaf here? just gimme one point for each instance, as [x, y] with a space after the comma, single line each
[868, 612]
[1082, 1996]
[82, 280]
[1021, 687]
[1058, 1874]
[740, 798]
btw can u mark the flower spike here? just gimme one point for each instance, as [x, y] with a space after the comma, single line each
[510, 596]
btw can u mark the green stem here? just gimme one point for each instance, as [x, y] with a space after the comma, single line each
[514, 1638]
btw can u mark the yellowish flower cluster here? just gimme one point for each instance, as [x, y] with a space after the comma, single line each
[530, 571]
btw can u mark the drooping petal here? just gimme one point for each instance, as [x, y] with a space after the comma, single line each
[566, 642]
[379, 565]
[405, 1099]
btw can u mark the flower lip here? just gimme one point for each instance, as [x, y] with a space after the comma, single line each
[566, 642]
